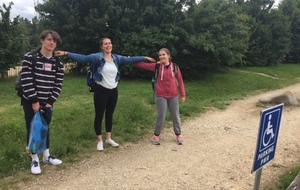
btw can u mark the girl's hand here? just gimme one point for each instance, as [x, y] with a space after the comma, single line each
[182, 100]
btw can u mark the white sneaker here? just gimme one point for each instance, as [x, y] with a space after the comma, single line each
[112, 143]
[35, 167]
[100, 145]
[52, 160]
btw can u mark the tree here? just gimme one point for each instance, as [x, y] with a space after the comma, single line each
[11, 37]
[143, 27]
[32, 29]
[136, 27]
[80, 23]
[280, 27]
[270, 37]
[291, 9]
[219, 35]
[205, 36]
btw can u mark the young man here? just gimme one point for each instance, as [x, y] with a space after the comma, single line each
[42, 85]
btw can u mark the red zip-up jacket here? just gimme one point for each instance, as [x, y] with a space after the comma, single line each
[167, 83]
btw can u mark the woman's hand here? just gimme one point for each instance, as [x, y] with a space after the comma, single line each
[150, 59]
[60, 53]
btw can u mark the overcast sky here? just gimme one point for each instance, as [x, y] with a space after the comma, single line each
[25, 8]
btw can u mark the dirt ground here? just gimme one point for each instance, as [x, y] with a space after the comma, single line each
[217, 154]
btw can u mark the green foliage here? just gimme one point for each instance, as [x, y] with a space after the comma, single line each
[291, 9]
[281, 37]
[11, 37]
[259, 46]
[80, 23]
[220, 34]
[270, 37]
[202, 37]
[286, 179]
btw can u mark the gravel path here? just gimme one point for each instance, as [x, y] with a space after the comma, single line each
[217, 154]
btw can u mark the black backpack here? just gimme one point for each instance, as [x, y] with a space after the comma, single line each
[18, 83]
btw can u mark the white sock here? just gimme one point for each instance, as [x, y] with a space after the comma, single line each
[35, 157]
[46, 153]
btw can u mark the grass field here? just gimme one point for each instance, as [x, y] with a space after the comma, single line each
[72, 132]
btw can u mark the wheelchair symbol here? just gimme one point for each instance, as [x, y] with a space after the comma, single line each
[268, 133]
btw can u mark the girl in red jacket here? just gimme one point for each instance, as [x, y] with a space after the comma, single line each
[169, 82]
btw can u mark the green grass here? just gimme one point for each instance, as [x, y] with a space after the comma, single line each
[72, 132]
[287, 178]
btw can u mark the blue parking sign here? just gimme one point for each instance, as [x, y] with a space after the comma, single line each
[267, 136]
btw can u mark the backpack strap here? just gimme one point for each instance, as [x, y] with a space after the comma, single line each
[116, 61]
[57, 63]
[33, 60]
[175, 70]
[94, 67]
[34, 57]
[90, 73]
[156, 71]
[18, 85]
[100, 61]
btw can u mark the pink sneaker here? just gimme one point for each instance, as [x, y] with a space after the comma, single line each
[179, 139]
[156, 140]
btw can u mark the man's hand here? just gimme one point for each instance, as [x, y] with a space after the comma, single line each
[48, 105]
[36, 106]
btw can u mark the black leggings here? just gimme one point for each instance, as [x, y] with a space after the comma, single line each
[29, 113]
[105, 100]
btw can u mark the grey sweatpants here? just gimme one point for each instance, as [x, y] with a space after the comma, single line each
[162, 104]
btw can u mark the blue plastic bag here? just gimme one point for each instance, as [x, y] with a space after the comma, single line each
[38, 134]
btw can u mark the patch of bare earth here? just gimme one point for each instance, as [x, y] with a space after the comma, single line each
[218, 154]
